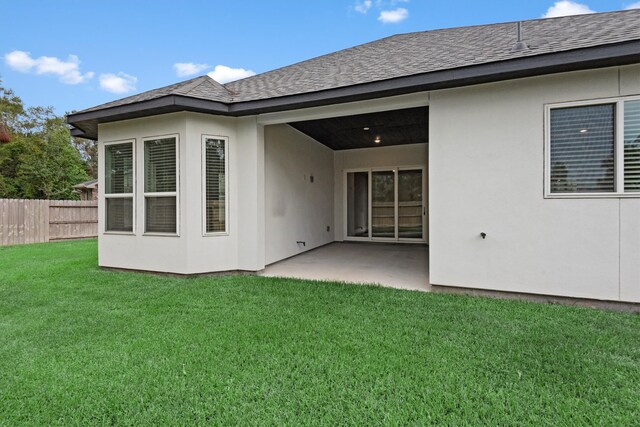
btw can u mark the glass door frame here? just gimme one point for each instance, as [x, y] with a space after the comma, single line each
[395, 170]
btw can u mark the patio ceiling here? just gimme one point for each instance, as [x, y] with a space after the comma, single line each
[395, 127]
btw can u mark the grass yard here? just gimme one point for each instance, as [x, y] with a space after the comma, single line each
[83, 346]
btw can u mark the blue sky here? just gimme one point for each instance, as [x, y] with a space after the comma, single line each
[74, 54]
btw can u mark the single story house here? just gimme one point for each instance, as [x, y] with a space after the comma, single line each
[512, 150]
[87, 190]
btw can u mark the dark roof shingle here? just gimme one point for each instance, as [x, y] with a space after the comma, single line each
[203, 87]
[410, 54]
[428, 51]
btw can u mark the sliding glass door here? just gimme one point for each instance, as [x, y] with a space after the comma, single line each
[385, 204]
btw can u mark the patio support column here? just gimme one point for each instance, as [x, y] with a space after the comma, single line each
[251, 203]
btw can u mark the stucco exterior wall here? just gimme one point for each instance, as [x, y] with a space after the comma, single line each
[190, 251]
[487, 175]
[485, 170]
[134, 251]
[297, 209]
[374, 157]
[209, 253]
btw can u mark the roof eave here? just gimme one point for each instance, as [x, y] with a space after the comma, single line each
[85, 123]
[529, 66]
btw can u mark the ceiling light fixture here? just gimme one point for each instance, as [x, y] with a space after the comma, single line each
[365, 128]
[377, 140]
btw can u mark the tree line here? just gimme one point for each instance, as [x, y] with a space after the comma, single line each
[39, 159]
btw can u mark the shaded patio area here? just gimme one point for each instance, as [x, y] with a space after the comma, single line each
[403, 266]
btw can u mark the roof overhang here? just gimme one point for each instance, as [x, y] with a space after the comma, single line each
[86, 123]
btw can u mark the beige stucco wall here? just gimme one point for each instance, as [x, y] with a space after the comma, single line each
[296, 208]
[374, 157]
[190, 251]
[486, 175]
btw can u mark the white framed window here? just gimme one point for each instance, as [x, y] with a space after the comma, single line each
[119, 186]
[215, 185]
[592, 148]
[161, 172]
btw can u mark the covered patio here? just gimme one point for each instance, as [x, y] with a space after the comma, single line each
[402, 266]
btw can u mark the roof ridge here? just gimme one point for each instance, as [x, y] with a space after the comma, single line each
[610, 12]
[492, 24]
[216, 83]
[169, 89]
[190, 84]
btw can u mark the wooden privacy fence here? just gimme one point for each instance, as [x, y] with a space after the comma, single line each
[35, 221]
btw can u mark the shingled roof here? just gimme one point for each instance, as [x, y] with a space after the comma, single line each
[399, 64]
[428, 51]
[203, 87]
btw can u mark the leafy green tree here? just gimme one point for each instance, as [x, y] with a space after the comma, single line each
[88, 150]
[41, 161]
[11, 107]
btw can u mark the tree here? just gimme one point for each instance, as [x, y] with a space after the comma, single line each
[88, 150]
[42, 160]
[11, 107]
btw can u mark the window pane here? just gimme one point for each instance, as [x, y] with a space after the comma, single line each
[582, 149]
[118, 165]
[383, 218]
[119, 214]
[160, 165]
[358, 204]
[632, 146]
[410, 204]
[215, 197]
[160, 214]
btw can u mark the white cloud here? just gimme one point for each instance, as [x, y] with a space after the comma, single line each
[635, 5]
[68, 71]
[117, 83]
[566, 8]
[363, 6]
[393, 16]
[224, 74]
[19, 61]
[188, 68]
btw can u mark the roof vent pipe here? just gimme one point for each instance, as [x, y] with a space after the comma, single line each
[520, 44]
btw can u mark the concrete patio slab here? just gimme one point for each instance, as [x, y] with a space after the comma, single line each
[403, 266]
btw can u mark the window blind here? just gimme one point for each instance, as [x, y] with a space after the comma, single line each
[215, 185]
[160, 214]
[160, 165]
[119, 214]
[118, 168]
[632, 146]
[582, 149]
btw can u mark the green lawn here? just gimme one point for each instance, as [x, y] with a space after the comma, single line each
[83, 346]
